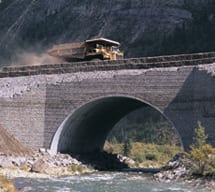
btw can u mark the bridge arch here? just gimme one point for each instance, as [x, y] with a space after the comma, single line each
[86, 129]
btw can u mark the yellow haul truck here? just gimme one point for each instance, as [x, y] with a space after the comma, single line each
[99, 48]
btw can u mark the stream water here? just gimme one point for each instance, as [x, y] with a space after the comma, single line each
[103, 182]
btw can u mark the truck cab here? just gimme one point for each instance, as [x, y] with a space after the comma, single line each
[103, 49]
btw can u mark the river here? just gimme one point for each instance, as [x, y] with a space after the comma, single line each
[103, 182]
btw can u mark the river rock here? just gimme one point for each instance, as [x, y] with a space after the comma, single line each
[40, 166]
[175, 169]
[18, 161]
[42, 150]
[126, 160]
[4, 163]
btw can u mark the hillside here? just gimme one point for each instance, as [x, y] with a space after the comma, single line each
[10, 146]
[145, 125]
[144, 27]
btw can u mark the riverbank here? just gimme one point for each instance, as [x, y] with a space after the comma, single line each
[178, 170]
[42, 165]
[178, 175]
[46, 165]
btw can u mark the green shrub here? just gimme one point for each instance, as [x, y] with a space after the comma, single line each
[151, 156]
[201, 154]
[203, 159]
[76, 168]
[147, 154]
[126, 148]
[139, 158]
[200, 137]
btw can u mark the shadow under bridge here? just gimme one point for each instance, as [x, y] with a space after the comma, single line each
[87, 128]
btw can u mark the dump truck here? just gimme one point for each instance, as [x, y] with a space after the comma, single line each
[93, 49]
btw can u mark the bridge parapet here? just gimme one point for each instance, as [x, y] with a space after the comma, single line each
[132, 63]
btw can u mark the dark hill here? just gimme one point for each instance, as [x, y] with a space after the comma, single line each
[144, 27]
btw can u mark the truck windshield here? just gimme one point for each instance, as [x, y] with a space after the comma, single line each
[115, 48]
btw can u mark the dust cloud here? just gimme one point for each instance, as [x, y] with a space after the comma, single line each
[34, 59]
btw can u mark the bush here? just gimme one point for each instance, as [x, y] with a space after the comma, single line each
[200, 137]
[202, 155]
[76, 168]
[139, 158]
[146, 154]
[126, 148]
[203, 158]
[151, 156]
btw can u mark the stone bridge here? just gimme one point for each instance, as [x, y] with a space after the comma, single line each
[72, 107]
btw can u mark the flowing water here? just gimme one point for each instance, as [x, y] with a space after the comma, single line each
[103, 182]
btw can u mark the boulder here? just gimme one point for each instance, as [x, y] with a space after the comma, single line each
[40, 166]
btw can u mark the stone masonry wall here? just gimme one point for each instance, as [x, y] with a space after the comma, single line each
[33, 107]
[22, 113]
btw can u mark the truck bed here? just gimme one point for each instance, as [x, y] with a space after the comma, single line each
[68, 51]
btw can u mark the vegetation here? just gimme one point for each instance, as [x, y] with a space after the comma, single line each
[146, 155]
[146, 126]
[201, 157]
[202, 154]
[146, 137]
[6, 185]
[126, 147]
[194, 36]
[76, 168]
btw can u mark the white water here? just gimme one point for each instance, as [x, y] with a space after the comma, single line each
[103, 182]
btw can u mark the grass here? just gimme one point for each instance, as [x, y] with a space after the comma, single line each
[6, 185]
[76, 168]
[146, 155]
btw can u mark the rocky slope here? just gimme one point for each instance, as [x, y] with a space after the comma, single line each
[10, 146]
[145, 27]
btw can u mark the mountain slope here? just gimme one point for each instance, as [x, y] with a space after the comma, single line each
[144, 27]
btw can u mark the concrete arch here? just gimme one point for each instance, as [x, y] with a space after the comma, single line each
[86, 129]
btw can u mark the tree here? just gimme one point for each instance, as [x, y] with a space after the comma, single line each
[126, 148]
[202, 154]
[200, 137]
